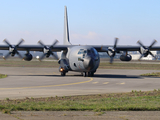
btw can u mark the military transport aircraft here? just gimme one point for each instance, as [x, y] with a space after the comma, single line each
[79, 58]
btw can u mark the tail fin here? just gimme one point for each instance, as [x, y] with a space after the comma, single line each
[66, 29]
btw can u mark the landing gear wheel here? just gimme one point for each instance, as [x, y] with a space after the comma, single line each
[63, 73]
[92, 74]
[89, 74]
[84, 74]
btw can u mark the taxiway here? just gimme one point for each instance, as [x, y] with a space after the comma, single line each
[25, 82]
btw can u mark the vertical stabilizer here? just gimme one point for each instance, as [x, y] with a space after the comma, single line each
[66, 29]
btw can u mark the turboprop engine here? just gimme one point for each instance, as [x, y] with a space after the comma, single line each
[28, 57]
[127, 57]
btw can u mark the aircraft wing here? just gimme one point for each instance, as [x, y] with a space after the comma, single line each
[58, 48]
[104, 48]
[39, 48]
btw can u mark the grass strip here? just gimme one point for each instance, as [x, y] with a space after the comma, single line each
[133, 101]
[3, 76]
[103, 65]
[153, 74]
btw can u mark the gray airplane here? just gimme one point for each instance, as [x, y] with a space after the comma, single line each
[79, 58]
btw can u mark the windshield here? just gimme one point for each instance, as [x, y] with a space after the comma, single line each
[81, 51]
[94, 52]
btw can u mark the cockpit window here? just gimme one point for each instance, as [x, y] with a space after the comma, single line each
[95, 53]
[81, 51]
[88, 51]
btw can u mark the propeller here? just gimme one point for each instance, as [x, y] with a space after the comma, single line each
[47, 50]
[13, 49]
[112, 51]
[146, 50]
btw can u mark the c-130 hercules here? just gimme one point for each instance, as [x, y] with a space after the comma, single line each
[79, 58]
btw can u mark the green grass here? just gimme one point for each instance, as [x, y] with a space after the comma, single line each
[135, 100]
[35, 63]
[154, 74]
[103, 64]
[3, 76]
[136, 66]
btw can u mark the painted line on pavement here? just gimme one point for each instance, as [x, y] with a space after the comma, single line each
[106, 83]
[121, 83]
[48, 85]
[95, 82]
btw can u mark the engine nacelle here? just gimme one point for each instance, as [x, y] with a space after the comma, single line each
[28, 57]
[126, 57]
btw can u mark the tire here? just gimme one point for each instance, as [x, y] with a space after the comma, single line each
[63, 73]
[89, 74]
[84, 74]
[92, 74]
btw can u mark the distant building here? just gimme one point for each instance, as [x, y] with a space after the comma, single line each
[137, 56]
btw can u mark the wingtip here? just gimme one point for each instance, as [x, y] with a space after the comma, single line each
[101, 47]
[4, 58]
[4, 40]
[39, 60]
[57, 40]
[22, 39]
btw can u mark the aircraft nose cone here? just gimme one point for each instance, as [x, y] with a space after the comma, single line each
[88, 63]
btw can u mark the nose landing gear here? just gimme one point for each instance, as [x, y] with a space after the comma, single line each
[63, 73]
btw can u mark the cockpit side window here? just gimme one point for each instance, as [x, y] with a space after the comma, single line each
[81, 51]
[88, 52]
[95, 53]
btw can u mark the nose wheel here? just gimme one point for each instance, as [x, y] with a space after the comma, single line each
[63, 73]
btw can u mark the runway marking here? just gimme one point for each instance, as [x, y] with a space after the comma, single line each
[121, 83]
[95, 82]
[106, 83]
[55, 73]
[48, 85]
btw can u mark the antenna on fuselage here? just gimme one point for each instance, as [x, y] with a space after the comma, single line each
[66, 40]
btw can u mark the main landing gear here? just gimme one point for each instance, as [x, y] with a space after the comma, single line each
[89, 74]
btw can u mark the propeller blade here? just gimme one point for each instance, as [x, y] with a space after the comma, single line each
[152, 44]
[153, 55]
[6, 56]
[42, 57]
[140, 57]
[111, 59]
[20, 42]
[115, 43]
[41, 43]
[20, 56]
[48, 50]
[55, 42]
[6, 41]
[139, 42]
[55, 56]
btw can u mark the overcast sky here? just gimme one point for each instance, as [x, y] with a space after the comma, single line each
[90, 21]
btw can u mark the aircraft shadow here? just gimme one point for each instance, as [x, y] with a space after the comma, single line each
[95, 76]
[117, 76]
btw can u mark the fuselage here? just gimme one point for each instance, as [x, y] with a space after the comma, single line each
[83, 58]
